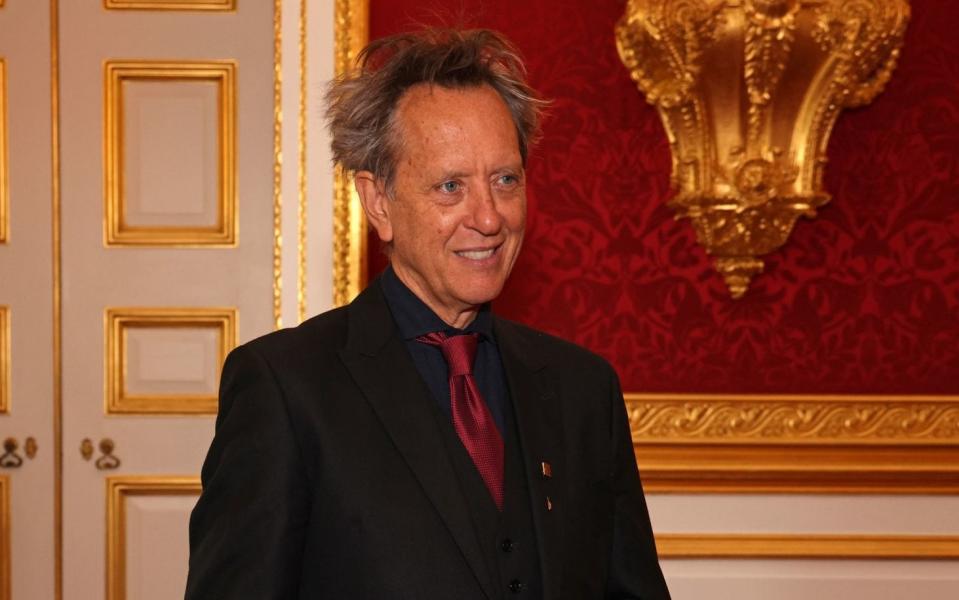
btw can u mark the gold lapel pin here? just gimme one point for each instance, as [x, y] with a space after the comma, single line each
[547, 469]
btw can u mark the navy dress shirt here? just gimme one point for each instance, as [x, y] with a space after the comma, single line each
[414, 318]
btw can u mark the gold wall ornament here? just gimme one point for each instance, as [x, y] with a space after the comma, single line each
[748, 91]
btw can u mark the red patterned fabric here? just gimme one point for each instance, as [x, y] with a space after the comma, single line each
[862, 299]
[471, 417]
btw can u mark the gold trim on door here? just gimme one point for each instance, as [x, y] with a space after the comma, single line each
[806, 546]
[57, 276]
[118, 321]
[205, 5]
[116, 231]
[5, 521]
[4, 164]
[118, 489]
[4, 360]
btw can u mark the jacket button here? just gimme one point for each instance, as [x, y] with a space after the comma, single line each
[508, 545]
[516, 586]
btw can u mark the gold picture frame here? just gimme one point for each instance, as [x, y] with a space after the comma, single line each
[116, 231]
[118, 321]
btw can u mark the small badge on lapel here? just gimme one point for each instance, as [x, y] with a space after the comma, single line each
[547, 470]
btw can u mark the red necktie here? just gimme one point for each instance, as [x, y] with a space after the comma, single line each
[471, 417]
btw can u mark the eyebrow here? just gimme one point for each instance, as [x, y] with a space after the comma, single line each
[458, 174]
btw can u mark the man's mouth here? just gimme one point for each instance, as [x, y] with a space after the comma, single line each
[476, 254]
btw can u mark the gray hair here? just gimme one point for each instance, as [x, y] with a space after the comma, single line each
[361, 105]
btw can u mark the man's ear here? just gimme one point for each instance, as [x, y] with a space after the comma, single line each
[375, 201]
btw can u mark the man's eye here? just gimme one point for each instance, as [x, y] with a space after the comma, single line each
[449, 187]
[508, 180]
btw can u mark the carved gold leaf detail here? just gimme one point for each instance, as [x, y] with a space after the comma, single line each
[787, 421]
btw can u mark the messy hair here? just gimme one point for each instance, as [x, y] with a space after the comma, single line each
[361, 105]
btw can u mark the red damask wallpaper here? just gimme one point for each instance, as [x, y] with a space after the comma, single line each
[863, 299]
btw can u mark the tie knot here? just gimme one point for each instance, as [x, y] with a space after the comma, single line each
[458, 350]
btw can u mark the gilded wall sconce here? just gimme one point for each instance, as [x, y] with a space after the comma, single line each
[748, 91]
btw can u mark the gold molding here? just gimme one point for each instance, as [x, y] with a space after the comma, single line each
[790, 468]
[301, 174]
[4, 163]
[349, 223]
[5, 548]
[794, 418]
[796, 443]
[806, 546]
[4, 360]
[57, 276]
[277, 163]
[204, 5]
[116, 231]
[118, 489]
[118, 320]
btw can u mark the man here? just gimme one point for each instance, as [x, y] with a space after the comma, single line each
[412, 445]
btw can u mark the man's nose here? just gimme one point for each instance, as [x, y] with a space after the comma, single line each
[486, 217]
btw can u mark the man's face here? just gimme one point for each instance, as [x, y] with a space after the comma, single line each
[458, 212]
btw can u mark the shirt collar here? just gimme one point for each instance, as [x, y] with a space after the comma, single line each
[414, 318]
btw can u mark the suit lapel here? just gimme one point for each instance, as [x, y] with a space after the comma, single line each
[539, 421]
[382, 368]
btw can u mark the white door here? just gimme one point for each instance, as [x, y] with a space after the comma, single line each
[142, 193]
[26, 303]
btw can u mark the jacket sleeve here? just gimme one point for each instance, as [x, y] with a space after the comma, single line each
[248, 527]
[634, 572]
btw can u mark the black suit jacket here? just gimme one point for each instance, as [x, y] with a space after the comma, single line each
[328, 478]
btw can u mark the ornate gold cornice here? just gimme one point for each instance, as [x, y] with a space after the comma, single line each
[349, 222]
[796, 443]
[794, 419]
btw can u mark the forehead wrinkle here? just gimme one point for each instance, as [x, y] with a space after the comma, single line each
[436, 137]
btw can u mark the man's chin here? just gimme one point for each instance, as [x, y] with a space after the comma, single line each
[480, 296]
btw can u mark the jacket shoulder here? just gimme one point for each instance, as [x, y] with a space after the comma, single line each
[324, 333]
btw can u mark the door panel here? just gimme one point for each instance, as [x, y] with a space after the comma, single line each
[143, 200]
[168, 263]
[26, 298]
